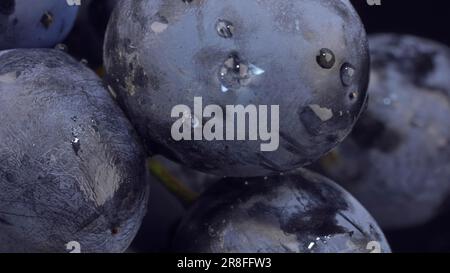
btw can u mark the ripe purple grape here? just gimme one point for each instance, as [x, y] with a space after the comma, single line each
[159, 55]
[397, 160]
[71, 165]
[297, 212]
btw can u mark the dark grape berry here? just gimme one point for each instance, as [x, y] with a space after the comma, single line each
[71, 166]
[397, 160]
[31, 24]
[297, 212]
[308, 57]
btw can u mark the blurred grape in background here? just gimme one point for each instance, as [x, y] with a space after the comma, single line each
[44, 23]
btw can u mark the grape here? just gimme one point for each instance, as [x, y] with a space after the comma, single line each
[71, 166]
[397, 160]
[296, 212]
[294, 55]
[43, 24]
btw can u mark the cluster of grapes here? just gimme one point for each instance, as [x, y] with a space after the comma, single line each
[80, 120]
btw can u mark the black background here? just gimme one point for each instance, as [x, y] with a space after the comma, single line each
[429, 19]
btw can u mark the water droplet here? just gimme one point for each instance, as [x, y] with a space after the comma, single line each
[233, 72]
[84, 62]
[47, 19]
[225, 29]
[311, 245]
[246, 183]
[61, 47]
[347, 74]
[224, 89]
[76, 145]
[387, 101]
[94, 125]
[326, 58]
[236, 73]
[353, 95]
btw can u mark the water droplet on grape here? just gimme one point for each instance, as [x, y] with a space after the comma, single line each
[347, 74]
[326, 58]
[225, 29]
[76, 145]
[236, 73]
[47, 19]
[387, 101]
[61, 47]
[353, 95]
